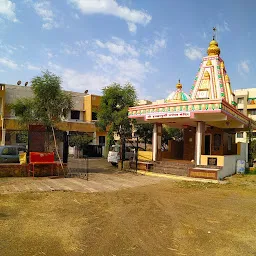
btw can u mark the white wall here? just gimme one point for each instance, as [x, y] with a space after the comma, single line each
[229, 167]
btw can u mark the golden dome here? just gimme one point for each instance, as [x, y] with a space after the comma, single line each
[227, 78]
[206, 75]
[222, 65]
[208, 63]
[179, 85]
[213, 48]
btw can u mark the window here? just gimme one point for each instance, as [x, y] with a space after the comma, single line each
[102, 140]
[240, 100]
[216, 142]
[240, 135]
[241, 110]
[251, 111]
[253, 134]
[75, 114]
[251, 101]
[94, 116]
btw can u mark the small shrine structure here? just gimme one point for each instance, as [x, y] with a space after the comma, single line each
[208, 117]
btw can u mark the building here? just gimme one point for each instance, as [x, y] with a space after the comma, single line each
[246, 103]
[209, 117]
[81, 118]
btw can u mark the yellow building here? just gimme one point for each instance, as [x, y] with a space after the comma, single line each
[82, 118]
[246, 104]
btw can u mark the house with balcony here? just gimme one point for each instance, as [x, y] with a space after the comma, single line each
[81, 119]
[246, 104]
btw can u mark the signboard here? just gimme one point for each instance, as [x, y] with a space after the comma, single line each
[167, 115]
[212, 161]
[240, 166]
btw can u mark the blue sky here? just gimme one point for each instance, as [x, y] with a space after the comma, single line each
[150, 43]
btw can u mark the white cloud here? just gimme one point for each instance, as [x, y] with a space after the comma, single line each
[114, 60]
[80, 81]
[121, 68]
[154, 48]
[7, 9]
[223, 27]
[243, 67]
[193, 52]
[8, 63]
[73, 80]
[83, 44]
[49, 53]
[118, 46]
[7, 48]
[44, 10]
[32, 67]
[75, 16]
[54, 67]
[69, 50]
[111, 7]
[132, 27]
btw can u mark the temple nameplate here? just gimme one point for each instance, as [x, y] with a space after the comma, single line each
[168, 115]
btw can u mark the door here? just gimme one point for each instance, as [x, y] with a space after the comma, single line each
[207, 144]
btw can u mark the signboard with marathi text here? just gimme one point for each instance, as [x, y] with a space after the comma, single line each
[168, 115]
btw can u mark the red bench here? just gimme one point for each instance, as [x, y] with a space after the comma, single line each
[40, 158]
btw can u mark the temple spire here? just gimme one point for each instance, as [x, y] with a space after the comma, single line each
[214, 29]
[213, 48]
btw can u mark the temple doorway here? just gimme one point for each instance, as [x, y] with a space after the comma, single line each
[207, 144]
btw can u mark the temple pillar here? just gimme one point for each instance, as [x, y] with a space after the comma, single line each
[199, 138]
[3, 137]
[154, 143]
[157, 142]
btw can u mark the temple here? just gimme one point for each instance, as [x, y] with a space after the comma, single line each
[209, 119]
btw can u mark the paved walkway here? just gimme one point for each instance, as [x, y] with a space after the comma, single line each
[98, 182]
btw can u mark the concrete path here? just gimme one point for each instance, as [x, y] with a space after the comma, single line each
[98, 182]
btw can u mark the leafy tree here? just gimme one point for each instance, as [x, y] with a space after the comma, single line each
[253, 149]
[48, 107]
[169, 133]
[80, 140]
[113, 110]
[145, 132]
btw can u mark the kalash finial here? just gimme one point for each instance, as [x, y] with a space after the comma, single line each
[213, 48]
[179, 85]
[214, 33]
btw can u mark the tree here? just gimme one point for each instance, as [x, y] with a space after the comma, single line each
[169, 133]
[113, 111]
[145, 132]
[80, 140]
[48, 107]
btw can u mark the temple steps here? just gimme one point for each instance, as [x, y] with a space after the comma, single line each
[180, 168]
[206, 172]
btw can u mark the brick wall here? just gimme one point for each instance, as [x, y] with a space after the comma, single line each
[17, 170]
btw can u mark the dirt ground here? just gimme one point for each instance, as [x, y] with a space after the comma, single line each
[166, 218]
